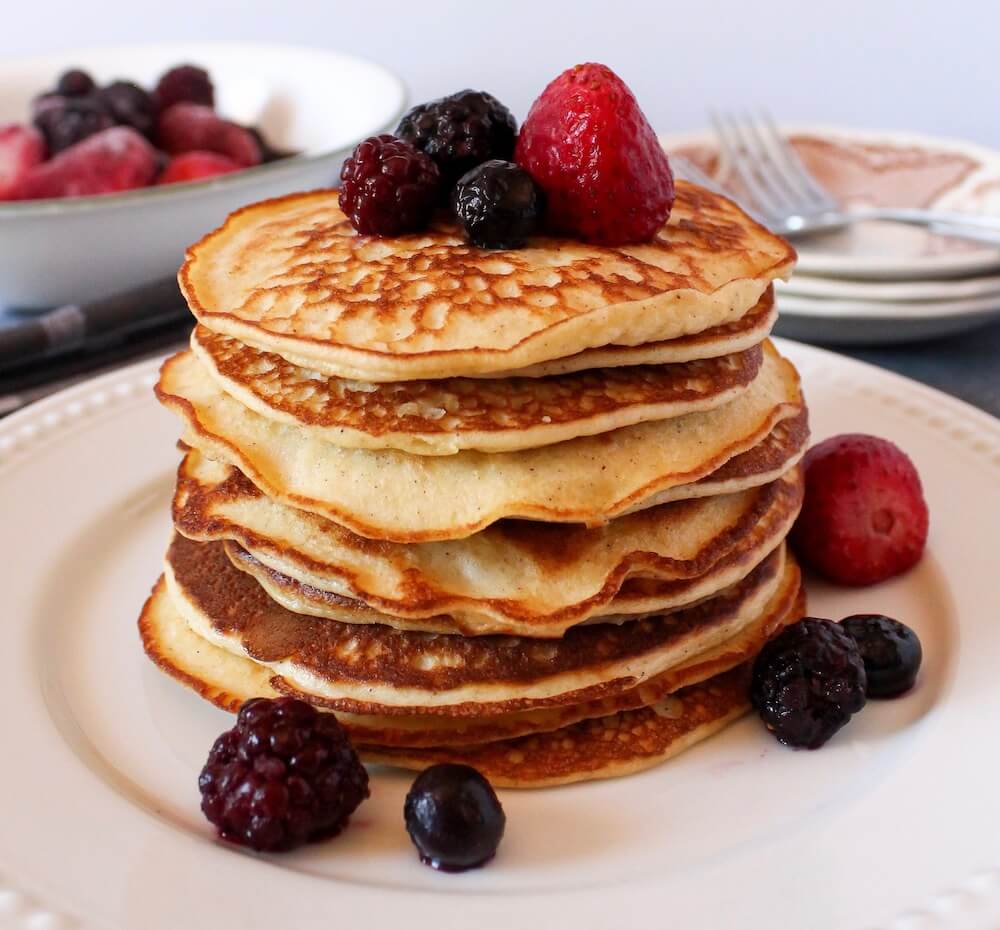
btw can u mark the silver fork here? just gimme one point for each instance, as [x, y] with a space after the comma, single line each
[780, 192]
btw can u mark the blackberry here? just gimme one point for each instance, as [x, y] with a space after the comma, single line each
[184, 84]
[460, 131]
[388, 187]
[807, 682]
[498, 204]
[64, 121]
[454, 818]
[890, 650]
[74, 83]
[283, 776]
[129, 105]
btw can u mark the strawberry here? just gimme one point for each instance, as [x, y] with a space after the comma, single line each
[864, 518]
[591, 150]
[189, 127]
[115, 159]
[21, 148]
[193, 166]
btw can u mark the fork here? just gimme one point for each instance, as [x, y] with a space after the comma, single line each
[780, 192]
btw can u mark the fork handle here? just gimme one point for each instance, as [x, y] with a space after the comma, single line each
[948, 222]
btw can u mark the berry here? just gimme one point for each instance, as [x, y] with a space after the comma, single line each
[193, 166]
[864, 518]
[21, 148]
[64, 121]
[185, 84]
[498, 204]
[129, 105]
[388, 187]
[460, 131]
[454, 818]
[115, 159]
[891, 652]
[189, 127]
[589, 147]
[283, 776]
[807, 682]
[74, 83]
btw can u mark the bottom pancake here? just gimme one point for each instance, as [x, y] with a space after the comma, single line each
[626, 739]
[606, 747]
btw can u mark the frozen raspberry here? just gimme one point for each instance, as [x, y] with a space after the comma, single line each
[193, 166]
[21, 148]
[64, 121]
[188, 127]
[74, 83]
[498, 204]
[589, 147]
[185, 84]
[388, 187]
[864, 518]
[807, 682]
[460, 131]
[283, 776]
[116, 159]
[129, 105]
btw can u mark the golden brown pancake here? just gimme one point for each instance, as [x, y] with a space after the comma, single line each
[229, 680]
[385, 494]
[292, 276]
[604, 747]
[749, 330]
[489, 415]
[371, 669]
[516, 577]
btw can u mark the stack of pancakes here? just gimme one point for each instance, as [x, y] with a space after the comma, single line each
[522, 509]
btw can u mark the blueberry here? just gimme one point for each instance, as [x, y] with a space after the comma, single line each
[891, 652]
[498, 204]
[454, 818]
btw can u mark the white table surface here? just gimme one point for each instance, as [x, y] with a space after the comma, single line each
[924, 65]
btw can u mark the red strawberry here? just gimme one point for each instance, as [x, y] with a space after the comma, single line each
[864, 518]
[589, 147]
[115, 159]
[193, 166]
[190, 127]
[21, 148]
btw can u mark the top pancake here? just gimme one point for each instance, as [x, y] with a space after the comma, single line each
[292, 276]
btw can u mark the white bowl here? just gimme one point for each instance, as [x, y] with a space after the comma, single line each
[315, 102]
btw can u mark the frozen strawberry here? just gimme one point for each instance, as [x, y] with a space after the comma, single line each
[591, 150]
[116, 159]
[864, 518]
[190, 127]
[193, 166]
[21, 148]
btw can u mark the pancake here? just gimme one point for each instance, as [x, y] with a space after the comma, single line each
[515, 577]
[604, 747]
[749, 330]
[229, 680]
[371, 669]
[489, 415]
[292, 276]
[390, 495]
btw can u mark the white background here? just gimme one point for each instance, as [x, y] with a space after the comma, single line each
[920, 65]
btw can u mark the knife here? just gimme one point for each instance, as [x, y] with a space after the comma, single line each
[91, 325]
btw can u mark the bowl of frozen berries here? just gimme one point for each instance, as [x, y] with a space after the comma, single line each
[113, 160]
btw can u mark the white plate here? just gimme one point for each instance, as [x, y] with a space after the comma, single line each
[883, 168]
[902, 292]
[868, 322]
[895, 824]
[313, 101]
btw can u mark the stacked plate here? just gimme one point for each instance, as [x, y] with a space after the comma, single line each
[875, 282]
[523, 509]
